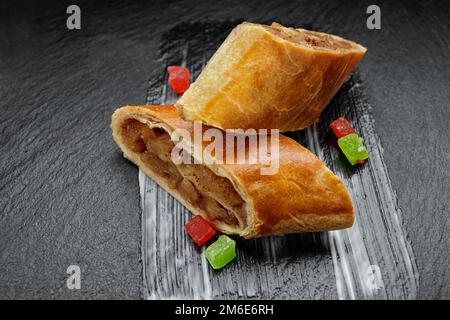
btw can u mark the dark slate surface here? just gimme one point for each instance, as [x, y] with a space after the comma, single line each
[67, 196]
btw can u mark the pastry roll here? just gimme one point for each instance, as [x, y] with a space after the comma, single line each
[270, 77]
[302, 196]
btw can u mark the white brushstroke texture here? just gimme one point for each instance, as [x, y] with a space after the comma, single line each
[304, 266]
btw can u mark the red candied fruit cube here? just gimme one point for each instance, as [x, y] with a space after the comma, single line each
[341, 127]
[178, 78]
[199, 230]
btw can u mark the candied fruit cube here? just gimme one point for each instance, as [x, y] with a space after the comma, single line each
[353, 148]
[199, 230]
[341, 127]
[178, 78]
[221, 252]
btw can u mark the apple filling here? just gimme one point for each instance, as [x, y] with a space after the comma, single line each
[310, 39]
[199, 185]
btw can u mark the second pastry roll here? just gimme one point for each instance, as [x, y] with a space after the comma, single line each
[270, 77]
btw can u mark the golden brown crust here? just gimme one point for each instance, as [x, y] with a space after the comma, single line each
[270, 77]
[303, 196]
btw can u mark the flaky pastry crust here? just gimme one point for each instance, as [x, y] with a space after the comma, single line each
[270, 77]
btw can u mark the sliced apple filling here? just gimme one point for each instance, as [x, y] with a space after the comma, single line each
[213, 194]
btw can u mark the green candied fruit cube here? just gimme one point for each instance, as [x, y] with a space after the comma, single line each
[353, 148]
[221, 252]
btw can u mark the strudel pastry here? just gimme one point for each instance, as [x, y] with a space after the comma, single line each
[303, 195]
[270, 77]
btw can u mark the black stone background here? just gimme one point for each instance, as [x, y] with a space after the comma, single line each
[67, 196]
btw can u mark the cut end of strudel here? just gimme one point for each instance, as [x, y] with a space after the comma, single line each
[302, 196]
